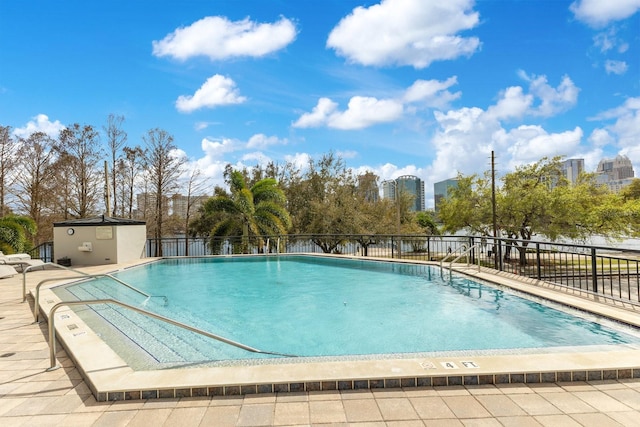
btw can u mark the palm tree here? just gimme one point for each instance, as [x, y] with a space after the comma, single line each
[256, 211]
[15, 233]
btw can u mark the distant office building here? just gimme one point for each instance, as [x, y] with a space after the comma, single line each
[389, 189]
[414, 186]
[572, 168]
[441, 190]
[616, 169]
[617, 185]
[368, 185]
[180, 204]
[146, 202]
[407, 184]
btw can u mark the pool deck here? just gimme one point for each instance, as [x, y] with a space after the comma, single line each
[591, 388]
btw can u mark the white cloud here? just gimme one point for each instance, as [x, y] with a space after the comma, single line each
[215, 149]
[530, 143]
[40, 123]
[262, 141]
[217, 90]
[218, 38]
[628, 107]
[552, 100]
[598, 13]
[361, 112]
[627, 125]
[318, 116]
[300, 160]
[256, 157]
[601, 138]
[465, 138]
[406, 32]
[608, 40]
[364, 111]
[513, 103]
[615, 67]
[432, 93]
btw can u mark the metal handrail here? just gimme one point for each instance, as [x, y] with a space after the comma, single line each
[450, 254]
[85, 277]
[52, 264]
[464, 252]
[52, 330]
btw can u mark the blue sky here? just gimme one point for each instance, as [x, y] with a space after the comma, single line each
[422, 87]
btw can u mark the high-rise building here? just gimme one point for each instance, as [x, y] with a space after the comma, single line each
[406, 184]
[180, 203]
[368, 185]
[616, 169]
[616, 185]
[389, 189]
[441, 190]
[572, 168]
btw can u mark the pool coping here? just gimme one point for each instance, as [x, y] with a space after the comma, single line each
[111, 379]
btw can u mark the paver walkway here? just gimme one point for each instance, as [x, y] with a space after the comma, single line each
[31, 396]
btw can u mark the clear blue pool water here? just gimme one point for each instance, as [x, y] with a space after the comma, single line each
[315, 306]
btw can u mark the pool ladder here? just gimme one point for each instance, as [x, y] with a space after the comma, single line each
[52, 329]
[464, 252]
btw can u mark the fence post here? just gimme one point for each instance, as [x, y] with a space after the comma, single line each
[473, 250]
[538, 262]
[391, 247]
[594, 270]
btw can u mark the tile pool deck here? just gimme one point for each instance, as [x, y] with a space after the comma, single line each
[29, 395]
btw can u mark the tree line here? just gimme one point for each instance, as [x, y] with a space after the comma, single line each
[537, 200]
[45, 179]
[326, 201]
[48, 179]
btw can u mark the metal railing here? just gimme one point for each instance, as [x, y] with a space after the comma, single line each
[52, 329]
[606, 271]
[83, 278]
[43, 251]
[465, 252]
[42, 266]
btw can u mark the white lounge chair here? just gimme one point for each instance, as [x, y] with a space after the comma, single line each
[20, 263]
[7, 271]
[15, 257]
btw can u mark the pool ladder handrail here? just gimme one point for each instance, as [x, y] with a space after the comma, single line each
[33, 267]
[465, 251]
[52, 330]
[87, 277]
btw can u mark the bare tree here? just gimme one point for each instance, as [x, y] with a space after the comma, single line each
[116, 138]
[194, 198]
[164, 168]
[62, 193]
[81, 145]
[8, 146]
[34, 180]
[130, 167]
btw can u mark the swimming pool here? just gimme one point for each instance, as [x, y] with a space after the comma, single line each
[326, 307]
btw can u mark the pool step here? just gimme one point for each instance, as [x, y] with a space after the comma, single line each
[164, 343]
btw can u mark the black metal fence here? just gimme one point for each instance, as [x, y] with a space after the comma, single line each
[605, 271]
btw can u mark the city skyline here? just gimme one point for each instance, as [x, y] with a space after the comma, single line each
[248, 82]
